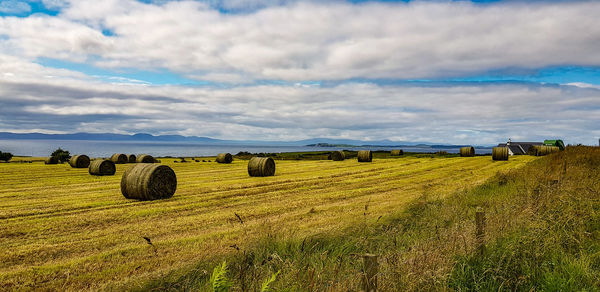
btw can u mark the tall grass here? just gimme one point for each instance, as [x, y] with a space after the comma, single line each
[542, 233]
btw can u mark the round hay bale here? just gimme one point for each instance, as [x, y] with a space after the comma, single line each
[145, 158]
[533, 150]
[148, 182]
[119, 158]
[365, 156]
[500, 153]
[102, 167]
[261, 166]
[397, 152]
[51, 160]
[338, 155]
[131, 158]
[543, 150]
[79, 161]
[224, 158]
[467, 151]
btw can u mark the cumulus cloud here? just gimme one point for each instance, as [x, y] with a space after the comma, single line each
[276, 47]
[55, 4]
[14, 7]
[583, 85]
[298, 41]
[450, 113]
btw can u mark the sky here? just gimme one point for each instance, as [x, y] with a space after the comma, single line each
[460, 72]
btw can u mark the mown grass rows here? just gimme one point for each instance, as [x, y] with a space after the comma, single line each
[542, 234]
[64, 228]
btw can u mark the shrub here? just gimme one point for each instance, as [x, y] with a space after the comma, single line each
[5, 156]
[62, 155]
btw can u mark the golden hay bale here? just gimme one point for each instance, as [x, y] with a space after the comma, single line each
[145, 158]
[541, 150]
[79, 161]
[119, 158]
[51, 160]
[532, 150]
[261, 166]
[467, 151]
[131, 158]
[500, 153]
[102, 167]
[148, 182]
[224, 158]
[365, 156]
[397, 152]
[338, 155]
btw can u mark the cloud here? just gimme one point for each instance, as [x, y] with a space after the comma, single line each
[298, 41]
[479, 113]
[281, 52]
[227, 78]
[14, 7]
[583, 85]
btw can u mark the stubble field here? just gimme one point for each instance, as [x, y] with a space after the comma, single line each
[63, 229]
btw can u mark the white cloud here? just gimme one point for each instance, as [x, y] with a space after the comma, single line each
[468, 113]
[316, 40]
[14, 7]
[583, 85]
[297, 42]
[56, 4]
[231, 78]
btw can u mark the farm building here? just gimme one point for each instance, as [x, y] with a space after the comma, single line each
[518, 148]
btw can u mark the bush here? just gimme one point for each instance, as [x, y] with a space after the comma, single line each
[5, 156]
[62, 155]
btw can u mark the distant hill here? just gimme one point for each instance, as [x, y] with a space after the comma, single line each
[322, 142]
[104, 137]
[316, 141]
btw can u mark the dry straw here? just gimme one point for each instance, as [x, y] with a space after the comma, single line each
[131, 158]
[541, 150]
[145, 158]
[51, 160]
[500, 153]
[261, 166]
[79, 161]
[102, 167]
[338, 155]
[148, 182]
[365, 156]
[224, 158]
[397, 152]
[467, 151]
[119, 158]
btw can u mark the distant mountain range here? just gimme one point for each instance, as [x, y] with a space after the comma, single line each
[319, 142]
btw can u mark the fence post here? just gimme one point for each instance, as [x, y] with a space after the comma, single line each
[370, 272]
[480, 230]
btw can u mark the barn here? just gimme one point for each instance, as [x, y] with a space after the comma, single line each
[518, 148]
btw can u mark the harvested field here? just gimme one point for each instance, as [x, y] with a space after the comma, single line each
[63, 229]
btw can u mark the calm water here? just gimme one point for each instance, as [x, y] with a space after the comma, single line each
[107, 148]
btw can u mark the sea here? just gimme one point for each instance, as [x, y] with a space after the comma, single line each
[39, 148]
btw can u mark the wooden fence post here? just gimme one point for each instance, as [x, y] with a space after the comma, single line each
[371, 269]
[480, 230]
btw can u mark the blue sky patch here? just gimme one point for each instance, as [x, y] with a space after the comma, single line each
[122, 75]
[558, 75]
